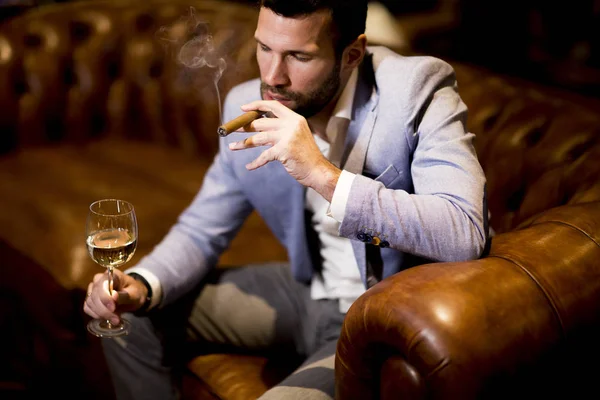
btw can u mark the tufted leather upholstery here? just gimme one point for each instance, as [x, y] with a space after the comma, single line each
[523, 320]
[94, 104]
[75, 71]
[538, 146]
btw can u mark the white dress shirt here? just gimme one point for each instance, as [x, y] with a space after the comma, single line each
[340, 278]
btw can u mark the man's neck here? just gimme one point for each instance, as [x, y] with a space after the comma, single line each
[318, 122]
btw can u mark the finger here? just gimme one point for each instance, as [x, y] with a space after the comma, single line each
[100, 307]
[260, 139]
[264, 158]
[96, 309]
[100, 301]
[272, 106]
[88, 294]
[263, 124]
[89, 311]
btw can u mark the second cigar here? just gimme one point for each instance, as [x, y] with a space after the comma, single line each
[238, 122]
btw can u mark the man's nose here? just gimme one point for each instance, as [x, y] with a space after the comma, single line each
[276, 73]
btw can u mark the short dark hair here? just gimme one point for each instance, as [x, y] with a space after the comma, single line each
[348, 17]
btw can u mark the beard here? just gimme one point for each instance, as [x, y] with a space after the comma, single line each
[309, 104]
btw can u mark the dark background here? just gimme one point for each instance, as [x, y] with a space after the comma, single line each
[554, 43]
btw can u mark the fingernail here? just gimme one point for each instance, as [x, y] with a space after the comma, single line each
[231, 145]
[114, 321]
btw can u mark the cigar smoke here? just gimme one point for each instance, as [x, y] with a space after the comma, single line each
[193, 45]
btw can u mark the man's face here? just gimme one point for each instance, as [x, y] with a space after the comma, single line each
[297, 61]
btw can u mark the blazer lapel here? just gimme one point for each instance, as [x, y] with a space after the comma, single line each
[364, 114]
[358, 137]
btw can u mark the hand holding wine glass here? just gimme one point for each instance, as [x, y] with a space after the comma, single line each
[111, 238]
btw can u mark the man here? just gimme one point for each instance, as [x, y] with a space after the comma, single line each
[366, 146]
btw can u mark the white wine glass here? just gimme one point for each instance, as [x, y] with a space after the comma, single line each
[111, 232]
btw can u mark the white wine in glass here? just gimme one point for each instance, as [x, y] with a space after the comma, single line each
[111, 238]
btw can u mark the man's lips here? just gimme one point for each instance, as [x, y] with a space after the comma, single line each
[272, 96]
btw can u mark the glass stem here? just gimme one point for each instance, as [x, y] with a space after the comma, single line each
[110, 280]
[110, 291]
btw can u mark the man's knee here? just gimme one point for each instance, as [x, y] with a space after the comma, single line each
[295, 393]
[225, 314]
[315, 380]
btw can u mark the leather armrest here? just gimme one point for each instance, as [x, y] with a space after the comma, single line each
[446, 330]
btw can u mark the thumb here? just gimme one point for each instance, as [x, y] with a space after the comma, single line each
[122, 297]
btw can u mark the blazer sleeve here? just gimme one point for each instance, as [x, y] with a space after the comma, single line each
[445, 218]
[203, 230]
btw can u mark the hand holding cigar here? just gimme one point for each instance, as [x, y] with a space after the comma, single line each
[238, 122]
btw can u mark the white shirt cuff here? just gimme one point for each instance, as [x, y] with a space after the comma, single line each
[337, 208]
[152, 281]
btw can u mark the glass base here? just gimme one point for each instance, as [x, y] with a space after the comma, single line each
[104, 329]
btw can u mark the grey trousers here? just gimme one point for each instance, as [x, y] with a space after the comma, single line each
[249, 309]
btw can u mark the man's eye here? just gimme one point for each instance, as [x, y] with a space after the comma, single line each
[263, 47]
[301, 58]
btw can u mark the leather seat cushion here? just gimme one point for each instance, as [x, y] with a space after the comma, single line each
[239, 376]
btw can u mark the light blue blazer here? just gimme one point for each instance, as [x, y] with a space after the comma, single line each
[419, 184]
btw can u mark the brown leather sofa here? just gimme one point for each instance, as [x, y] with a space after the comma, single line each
[94, 103]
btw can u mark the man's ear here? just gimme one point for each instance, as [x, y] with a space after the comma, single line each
[355, 51]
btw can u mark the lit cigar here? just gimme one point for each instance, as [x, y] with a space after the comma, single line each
[238, 122]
